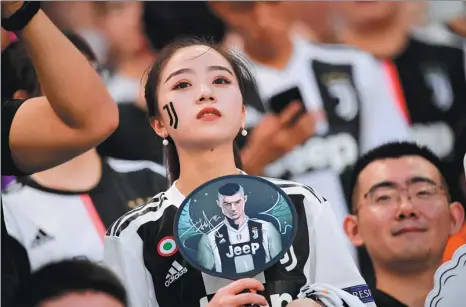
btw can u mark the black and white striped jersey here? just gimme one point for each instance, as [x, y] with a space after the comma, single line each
[141, 250]
[54, 224]
[361, 113]
[216, 249]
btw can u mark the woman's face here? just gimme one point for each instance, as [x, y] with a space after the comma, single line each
[199, 99]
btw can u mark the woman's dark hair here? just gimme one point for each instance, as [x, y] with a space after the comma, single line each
[246, 83]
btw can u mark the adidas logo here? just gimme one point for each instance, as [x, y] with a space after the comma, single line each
[41, 238]
[176, 271]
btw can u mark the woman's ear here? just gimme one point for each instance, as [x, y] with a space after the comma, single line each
[158, 127]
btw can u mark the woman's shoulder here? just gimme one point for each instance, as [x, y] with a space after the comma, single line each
[130, 222]
[292, 187]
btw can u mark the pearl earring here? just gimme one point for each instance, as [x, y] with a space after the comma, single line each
[244, 132]
[165, 142]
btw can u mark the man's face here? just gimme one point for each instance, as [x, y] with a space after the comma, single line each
[403, 229]
[365, 14]
[253, 21]
[233, 206]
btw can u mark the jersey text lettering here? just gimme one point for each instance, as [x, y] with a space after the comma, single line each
[242, 250]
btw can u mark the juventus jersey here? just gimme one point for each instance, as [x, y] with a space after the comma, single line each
[141, 250]
[53, 225]
[431, 85]
[239, 250]
[361, 114]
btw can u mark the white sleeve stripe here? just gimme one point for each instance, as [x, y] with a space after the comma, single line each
[307, 270]
[305, 187]
[116, 224]
[134, 215]
[149, 216]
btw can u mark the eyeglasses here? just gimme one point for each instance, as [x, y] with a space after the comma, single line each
[389, 196]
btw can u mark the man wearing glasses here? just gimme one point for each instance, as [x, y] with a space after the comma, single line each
[403, 215]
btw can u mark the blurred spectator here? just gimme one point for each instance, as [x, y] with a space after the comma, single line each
[72, 15]
[446, 23]
[167, 20]
[42, 132]
[339, 88]
[403, 214]
[133, 54]
[458, 24]
[311, 20]
[427, 80]
[43, 211]
[72, 283]
[129, 52]
[81, 17]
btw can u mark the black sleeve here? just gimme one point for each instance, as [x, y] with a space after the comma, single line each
[9, 109]
[134, 139]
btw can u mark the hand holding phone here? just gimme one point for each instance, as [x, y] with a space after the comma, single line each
[275, 136]
[280, 102]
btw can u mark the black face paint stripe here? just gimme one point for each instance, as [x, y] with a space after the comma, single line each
[170, 108]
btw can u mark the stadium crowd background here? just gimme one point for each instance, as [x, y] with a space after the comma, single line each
[125, 37]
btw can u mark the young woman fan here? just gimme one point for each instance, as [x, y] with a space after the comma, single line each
[194, 96]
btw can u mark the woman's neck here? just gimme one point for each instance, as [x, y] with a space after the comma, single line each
[276, 55]
[82, 173]
[374, 39]
[199, 167]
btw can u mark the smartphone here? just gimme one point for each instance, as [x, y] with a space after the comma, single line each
[280, 101]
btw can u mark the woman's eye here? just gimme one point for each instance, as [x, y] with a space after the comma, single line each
[222, 81]
[181, 85]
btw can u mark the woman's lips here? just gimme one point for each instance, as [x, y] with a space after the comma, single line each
[209, 114]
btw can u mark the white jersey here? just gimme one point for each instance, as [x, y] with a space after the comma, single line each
[141, 250]
[361, 113]
[53, 225]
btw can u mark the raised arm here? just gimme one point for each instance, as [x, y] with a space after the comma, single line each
[77, 112]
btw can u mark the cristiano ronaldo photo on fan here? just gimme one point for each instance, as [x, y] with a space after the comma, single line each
[238, 244]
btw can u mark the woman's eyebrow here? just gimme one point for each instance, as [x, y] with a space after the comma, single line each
[189, 70]
[218, 67]
[179, 72]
